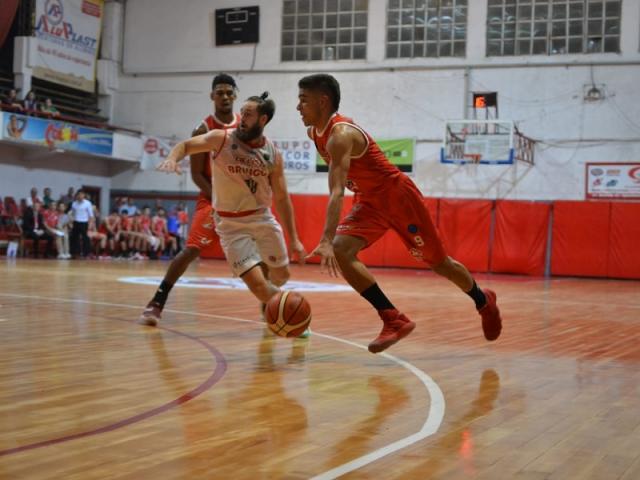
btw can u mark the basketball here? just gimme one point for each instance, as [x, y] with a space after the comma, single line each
[288, 314]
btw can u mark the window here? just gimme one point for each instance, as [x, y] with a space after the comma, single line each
[324, 30]
[552, 27]
[426, 28]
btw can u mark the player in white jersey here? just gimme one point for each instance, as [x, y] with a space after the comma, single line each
[247, 173]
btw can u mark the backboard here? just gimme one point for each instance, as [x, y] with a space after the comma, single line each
[478, 141]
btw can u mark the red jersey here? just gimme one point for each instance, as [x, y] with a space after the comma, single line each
[158, 225]
[213, 123]
[50, 218]
[370, 172]
[145, 224]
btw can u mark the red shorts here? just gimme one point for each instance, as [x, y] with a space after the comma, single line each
[203, 231]
[401, 209]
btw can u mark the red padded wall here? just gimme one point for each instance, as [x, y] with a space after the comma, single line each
[624, 254]
[580, 238]
[464, 226]
[520, 237]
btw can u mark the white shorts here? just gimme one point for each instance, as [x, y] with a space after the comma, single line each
[249, 240]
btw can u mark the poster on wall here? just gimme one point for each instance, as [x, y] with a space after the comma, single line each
[67, 33]
[56, 134]
[399, 151]
[155, 150]
[613, 180]
[298, 154]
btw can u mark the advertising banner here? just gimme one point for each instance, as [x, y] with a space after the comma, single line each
[298, 154]
[400, 152]
[56, 134]
[155, 150]
[613, 181]
[68, 33]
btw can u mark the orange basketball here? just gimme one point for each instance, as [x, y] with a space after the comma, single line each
[288, 314]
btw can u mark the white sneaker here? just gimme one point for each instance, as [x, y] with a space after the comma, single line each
[61, 256]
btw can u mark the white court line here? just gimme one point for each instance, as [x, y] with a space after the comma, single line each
[430, 426]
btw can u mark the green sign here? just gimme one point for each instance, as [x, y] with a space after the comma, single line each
[399, 151]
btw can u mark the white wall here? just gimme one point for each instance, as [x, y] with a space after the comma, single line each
[170, 58]
[21, 169]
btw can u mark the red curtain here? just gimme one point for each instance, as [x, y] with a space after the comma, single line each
[580, 238]
[464, 226]
[520, 237]
[624, 254]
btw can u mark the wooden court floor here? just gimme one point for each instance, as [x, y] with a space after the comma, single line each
[86, 393]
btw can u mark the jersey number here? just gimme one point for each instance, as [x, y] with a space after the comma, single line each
[252, 185]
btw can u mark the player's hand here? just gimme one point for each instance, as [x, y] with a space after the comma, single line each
[169, 165]
[298, 250]
[328, 260]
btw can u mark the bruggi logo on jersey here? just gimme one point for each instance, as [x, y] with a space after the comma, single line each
[244, 170]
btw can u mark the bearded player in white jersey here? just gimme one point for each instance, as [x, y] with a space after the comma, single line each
[247, 171]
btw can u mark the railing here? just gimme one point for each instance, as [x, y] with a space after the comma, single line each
[67, 118]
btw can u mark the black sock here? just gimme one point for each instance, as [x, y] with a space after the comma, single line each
[160, 298]
[375, 297]
[477, 295]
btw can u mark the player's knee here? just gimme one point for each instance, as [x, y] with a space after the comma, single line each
[279, 276]
[344, 249]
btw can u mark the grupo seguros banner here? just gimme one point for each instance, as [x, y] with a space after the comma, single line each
[298, 154]
[67, 33]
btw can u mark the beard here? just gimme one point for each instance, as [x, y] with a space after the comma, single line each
[249, 135]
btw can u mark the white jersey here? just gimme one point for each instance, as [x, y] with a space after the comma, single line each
[241, 175]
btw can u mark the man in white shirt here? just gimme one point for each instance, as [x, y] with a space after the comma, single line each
[82, 212]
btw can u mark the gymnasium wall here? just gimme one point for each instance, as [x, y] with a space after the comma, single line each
[169, 60]
[22, 169]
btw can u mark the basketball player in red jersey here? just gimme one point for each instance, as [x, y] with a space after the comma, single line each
[202, 231]
[385, 198]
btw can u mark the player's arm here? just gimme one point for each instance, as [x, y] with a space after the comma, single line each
[212, 140]
[198, 162]
[339, 147]
[285, 208]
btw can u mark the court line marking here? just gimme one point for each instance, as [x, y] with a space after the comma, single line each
[431, 425]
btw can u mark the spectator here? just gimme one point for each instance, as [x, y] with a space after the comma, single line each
[11, 100]
[82, 212]
[64, 222]
[173, 228]
[30, 103]
[33, 197]
[33, 227]
[51, 217]
[68, 198]
[16, 126]
[47, 198]
[49, 108]
[183, 222]
[131, 207]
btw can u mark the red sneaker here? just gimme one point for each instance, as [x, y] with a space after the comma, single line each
[491, 321]
[396, 327]
[151, 315]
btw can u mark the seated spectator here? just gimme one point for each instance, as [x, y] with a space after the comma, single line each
[11, 100]
[98, 238]
[111, 228]
[33, 227]
[33, 197]
[160, 231]
[49, 109]
[30, 103]
[173, 228]
[47, 199]
[51, 218]
[129, 206]
[64, 226]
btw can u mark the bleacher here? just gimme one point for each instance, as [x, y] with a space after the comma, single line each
[70, 102]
